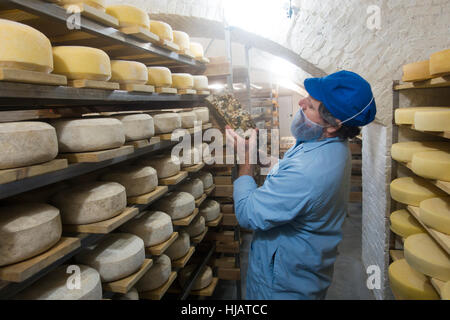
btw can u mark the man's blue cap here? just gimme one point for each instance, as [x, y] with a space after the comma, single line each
[345, 94]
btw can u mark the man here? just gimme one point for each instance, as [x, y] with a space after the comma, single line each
[298, 213]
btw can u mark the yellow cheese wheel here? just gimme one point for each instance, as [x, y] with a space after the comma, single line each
[403, 224]
[408, 284]
[432, 165]
[440, 63]
[403, 151]
[82, 63]
[445, 291]
[197, 49]
[162, 29]
[181, 39]
[129, 16]
[159, 77]
[436, 120]
[182, 81]
[435, 213]
[424, 255]
[406, 115]
[129, 72]
[98, 4]
[23, 47]
[413, 190]
[200, 82]
[417, 71]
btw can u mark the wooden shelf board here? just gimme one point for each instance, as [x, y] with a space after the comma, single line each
[223, 236]
[204, 92]
[442, 134]
[96, 15]
[158, 293]
[15, 174]
[25, 76]
[93, 84]
[170, 181]
[228, 247]
[138, 143]
[141, 34]
[166, 90]
[229, 273]
[187, 220]
[396, 254]
[186, 91]
[200, 200]
[443, 185]
[96, 156]
[169, 45]
[149, 197]
[181, 262]
[215, 222]
[229, 219]
[210, 189]
[160, 248]
[133, 87]
[194, 168]
[437, 284]
[199, 238]
[207, 126]
[124, 285]
[432, 83]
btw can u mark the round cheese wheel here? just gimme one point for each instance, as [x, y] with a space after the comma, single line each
[54, 285]
[159, 77]
[98, 4]
[166, 122]
[130, 295]
[412, 190]
[128, 72]
[82, 135]
[202, 114]
[26, 143]
[417, 71]
[27, 230]
[188, 119]
[137, 180]
[440, 63]
[438, 120]
[197, 49]
[403, 224]
[207, 179]
[196, 227]
[137, 126]
[181, 39]
[154, 227]
[210, 209]
[406, 115]
[200, 82]
[180, 247]
[129, 16]
[445, 291]
[176, 204]
[435, 213]
[409, 284]
[157, 275]
[165, 165]
[85, 63]
[432, 165]
[162, 29]
[192, 186]
[24, 48]
[403, 151]
[192, 157]
[90, 202]
[115, 257]
[204, 279]
[182, 81]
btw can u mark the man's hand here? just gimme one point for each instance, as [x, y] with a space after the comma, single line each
[251, 146]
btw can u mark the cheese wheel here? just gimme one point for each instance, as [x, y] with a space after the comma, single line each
[403, 224]
[130, 295]
[191, 158]
[204, 279]
[129, 16]
[445, 291]
[197, 49]
[412, 191]
[159, 77]
[188, 119]
[435, 213]
[128, 72]
[115, 257]
[85, 63]
[26, 143]
[210, 209]
[166, 122]
[207, 179]
[436, 120]
[157, 275]
[27, 230]
[153, 227]
[424, 255]
[177, 205]
[137, 180]
[182, 81]
[181, 39]
[193, 186]
[200, 82]
[409, 284]
[98, 4]
[90, 202]
[24, 48]
[54, 285]
[162, 29]
[440, 63]
[165, 165]
[196, 227]
[180, 247]
[202, 114]
[406, 115]
[403, 151]
[137, 126]
[432, 165]
[82, 135]
[417, 71]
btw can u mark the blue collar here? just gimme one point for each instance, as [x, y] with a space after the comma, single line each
[311, 145]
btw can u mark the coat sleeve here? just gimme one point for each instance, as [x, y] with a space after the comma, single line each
[284, 196]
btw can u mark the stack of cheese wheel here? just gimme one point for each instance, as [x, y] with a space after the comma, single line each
[201, 83]
[432, 120]
[202, 114]
[129, 16]
[196, 227]
[203, 280]
[153, 227]
[417, 71]
[177, 205]
[157, 275]
[162, 30]
[182, 81]
[407, 115]
[191, 157]
[404, 151]
[54, 285]
[210, 210]
[115, 257]
[81, 63]
[126, 72]
[160, 77]
[98, 4]
[196, 49]
[137, 180]
[192, 186]
[24, 48]
[95, 134]
[403, 224]
[432, 165]
[188, 119]
[166, 122]
[26, 143]
[130, 295]
[90, 202]
[27, 230]
[440, 63]
[137, 126]
[412, 190]
[182, 40]
[207, 179]
[435, 213]
[165, 165]
[180, 247]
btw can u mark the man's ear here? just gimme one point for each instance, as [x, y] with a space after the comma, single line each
[332, 130]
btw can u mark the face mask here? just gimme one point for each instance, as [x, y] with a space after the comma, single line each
[304, 129]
